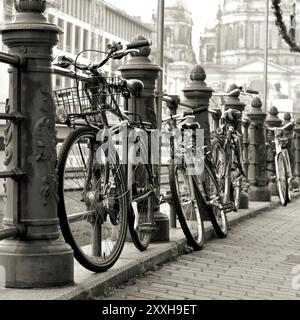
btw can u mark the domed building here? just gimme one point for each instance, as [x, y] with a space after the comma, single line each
[233, 51]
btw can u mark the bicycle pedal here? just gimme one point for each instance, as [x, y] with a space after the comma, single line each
[136, 215]
[228, 207]
[148, 227]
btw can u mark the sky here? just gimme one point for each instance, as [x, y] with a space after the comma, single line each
[203, 12]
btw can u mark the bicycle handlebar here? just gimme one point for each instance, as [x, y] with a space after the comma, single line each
[291, 123]
[139, 44]
[250, 91]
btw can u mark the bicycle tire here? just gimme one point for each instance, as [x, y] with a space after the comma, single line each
[217, 215]
[110, 220]
[141, 175]
[196, 237]
[219, 162]
[282, 178]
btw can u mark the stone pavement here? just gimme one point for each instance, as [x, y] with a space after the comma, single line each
[131, 264]
[260, 259]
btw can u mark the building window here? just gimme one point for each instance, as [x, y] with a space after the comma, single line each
[60, 23]
[69, 37]
[77, 39]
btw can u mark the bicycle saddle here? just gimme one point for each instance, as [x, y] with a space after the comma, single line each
[192, 126]
[232, 114]
[134, 86]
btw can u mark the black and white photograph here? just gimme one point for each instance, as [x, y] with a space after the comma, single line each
[149, 154]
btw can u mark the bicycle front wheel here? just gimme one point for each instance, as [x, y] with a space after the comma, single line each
[282, 178]
[92, 205]
[188, 203]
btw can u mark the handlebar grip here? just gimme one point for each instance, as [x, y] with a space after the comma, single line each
[252, 91]
[139, 44]
[195, 111]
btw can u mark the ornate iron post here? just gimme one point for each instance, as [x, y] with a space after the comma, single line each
[39, 257]
[245, 182]
[234, 102]
[173, 106]
[140, 67]
[257, 154]
[297, 151]
[198, 93]
[272, 121]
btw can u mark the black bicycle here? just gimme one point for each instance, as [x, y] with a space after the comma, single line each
[98, 191]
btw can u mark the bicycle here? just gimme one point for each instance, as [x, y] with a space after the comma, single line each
[192, 195]
[99, 193]
[227, 149]
[283, 171]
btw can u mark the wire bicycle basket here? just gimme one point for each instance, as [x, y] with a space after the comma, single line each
[89, 100]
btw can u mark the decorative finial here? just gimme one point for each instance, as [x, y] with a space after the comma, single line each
[197, 73]
[287, 116]
[144, 51]
[256, 103]
[234, 87]
[273, 111]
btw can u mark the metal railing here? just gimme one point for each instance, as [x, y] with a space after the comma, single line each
[14, 117]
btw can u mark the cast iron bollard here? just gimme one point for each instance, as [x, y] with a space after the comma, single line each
[246, 142]
[173, 106]
[39, 257]
[272, 121]
[234, 102]
[198, 93]
[257, 154]
[140, 67]
[297, 151]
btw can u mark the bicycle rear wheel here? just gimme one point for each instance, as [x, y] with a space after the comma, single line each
[141, 227]
[282, 178]
[188, 203]
[215, 210]
[92, 205]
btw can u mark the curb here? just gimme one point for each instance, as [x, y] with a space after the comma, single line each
[102, 285]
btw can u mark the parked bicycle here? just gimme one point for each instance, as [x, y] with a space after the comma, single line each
[283, 171]
[193, 195]
[98, 191]
[227, 149]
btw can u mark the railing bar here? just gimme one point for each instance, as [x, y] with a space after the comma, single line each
[9, 59]
[8, 233]
[8, 174]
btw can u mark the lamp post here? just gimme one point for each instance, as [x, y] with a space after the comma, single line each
[266, 55]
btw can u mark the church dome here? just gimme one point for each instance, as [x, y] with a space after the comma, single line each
[179, 4]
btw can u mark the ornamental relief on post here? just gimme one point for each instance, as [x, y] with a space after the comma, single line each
[8, 135]
[44, 133]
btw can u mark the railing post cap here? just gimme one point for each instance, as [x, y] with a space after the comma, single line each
[256, 103]
[144, 51]
[196, 85]
[30, 17]
[141, 61]
[197, 73]
[287, 117]
[30, 5]
[234, 100]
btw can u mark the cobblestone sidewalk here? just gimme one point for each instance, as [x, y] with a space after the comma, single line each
[260, 259]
